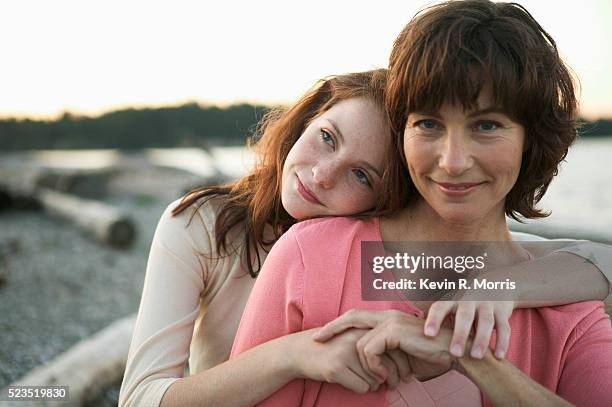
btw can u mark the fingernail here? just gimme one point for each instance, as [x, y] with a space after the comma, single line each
[500, 354]
[476, 352]
[429, 330]
[457, 350]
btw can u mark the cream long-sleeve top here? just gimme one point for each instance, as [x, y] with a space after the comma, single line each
[191, 305]
[192, 301]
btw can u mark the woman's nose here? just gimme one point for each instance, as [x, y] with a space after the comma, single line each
[455, 156]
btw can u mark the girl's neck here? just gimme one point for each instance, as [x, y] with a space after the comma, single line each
[421, 222]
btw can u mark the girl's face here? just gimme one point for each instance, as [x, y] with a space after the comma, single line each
[464, 163]
[335, 167]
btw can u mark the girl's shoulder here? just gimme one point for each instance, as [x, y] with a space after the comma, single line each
[194, 226]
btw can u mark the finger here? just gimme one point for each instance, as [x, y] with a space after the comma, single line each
[393, 377]
[401, 361]
[374, 366]
[503, 332]
[484, 330]
[374, 382]
[352, 381]
[352, 319]
[374, 344]
[436, 315]
[464, 319]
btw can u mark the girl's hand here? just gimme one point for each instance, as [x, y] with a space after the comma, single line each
[337, 361]
[362, 319]
[428, 357]
[490, 314]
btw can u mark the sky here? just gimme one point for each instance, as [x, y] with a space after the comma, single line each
[88, 57]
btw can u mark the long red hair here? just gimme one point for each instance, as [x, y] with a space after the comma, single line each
[254, 200]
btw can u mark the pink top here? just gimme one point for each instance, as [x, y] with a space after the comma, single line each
[311, 276]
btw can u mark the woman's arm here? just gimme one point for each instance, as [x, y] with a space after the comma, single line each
[587, 369]
[505, 385]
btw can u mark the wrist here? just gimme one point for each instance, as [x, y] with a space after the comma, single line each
[456, 365]
[287, 357]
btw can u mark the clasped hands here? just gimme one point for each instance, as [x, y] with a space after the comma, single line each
[390, 346]
[363, 349]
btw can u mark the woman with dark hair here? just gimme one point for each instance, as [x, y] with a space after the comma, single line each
[483, 111]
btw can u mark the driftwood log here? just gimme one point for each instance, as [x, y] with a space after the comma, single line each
[98, 219]
[87, 368]
[29, 186]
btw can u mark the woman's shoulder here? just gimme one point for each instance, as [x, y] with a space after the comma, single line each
[334, 231]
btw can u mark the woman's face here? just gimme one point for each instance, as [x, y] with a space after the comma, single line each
[335, 167]
[464, 163]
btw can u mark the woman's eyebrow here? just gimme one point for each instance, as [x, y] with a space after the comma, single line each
[492, 109]
[431, 113]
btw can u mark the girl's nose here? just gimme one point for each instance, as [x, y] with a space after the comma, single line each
[323, 174]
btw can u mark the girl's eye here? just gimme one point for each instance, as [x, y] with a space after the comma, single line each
[328, 138]
[428, 124]
[362, 177]
[487, 126]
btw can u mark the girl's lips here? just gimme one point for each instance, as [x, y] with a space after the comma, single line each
[458, 189]
[306, 193]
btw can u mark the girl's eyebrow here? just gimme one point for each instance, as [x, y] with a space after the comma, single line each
[370, 167]
[361, 163]
[338, 132]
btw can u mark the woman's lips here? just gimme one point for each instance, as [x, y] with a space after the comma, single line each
[306, 193]
[458, 189]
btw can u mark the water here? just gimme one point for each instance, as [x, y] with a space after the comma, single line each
[579, 198]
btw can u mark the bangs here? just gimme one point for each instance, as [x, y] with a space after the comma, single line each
[455, 68]
[455, 55]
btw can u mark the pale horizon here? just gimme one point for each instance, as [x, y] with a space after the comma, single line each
[89, 58]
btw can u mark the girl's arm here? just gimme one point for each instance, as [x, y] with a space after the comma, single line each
[163, 332]
[576, 271]
[275, 309]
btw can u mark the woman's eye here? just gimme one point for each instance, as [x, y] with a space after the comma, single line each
[328, 138]
[362, 177]
[428, 124]
[487, 126]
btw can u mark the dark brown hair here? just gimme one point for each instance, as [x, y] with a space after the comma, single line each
[450, 51]
[254, 201]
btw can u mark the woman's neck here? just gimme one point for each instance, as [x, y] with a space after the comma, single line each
[421, 222]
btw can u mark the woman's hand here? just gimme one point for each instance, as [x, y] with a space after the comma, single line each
[337, 361]
[490, 314]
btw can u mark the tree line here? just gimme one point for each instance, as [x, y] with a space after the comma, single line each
[189, 125]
